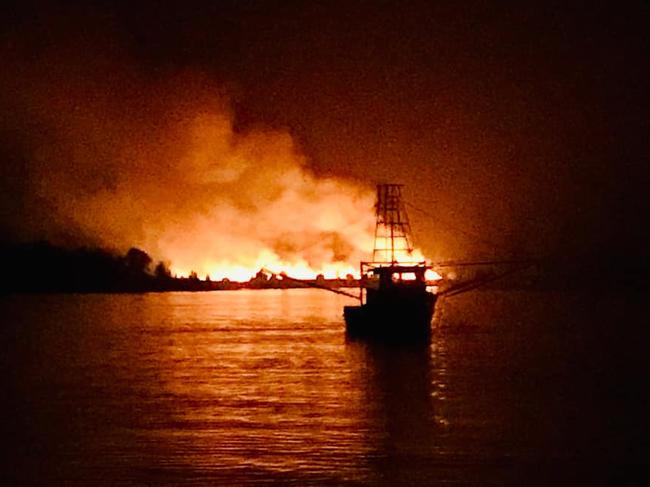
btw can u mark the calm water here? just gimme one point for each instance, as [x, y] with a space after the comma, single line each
[231, 388]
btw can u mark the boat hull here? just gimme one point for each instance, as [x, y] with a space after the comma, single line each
[391, 319]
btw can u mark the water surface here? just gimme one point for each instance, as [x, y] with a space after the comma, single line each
[246, 387]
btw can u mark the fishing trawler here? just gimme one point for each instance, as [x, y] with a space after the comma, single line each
[394, 301]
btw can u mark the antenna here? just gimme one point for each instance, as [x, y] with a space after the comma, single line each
[393, 241]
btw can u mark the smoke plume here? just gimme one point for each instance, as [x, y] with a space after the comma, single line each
[98, 152]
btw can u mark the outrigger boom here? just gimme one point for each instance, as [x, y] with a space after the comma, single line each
[311, 284]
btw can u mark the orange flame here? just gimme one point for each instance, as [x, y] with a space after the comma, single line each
[166, 172]
[267, 211]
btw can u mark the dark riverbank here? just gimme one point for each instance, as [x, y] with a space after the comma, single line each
[41, 267]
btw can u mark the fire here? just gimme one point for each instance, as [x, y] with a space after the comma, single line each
[299, 270]
[165, 171]
[238, 271]
[239, 258]
[256, 205]
[431, 275]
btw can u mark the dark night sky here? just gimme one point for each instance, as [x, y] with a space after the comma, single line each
[515, 124]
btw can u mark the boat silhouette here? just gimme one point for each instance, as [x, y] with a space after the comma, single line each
[394, 301]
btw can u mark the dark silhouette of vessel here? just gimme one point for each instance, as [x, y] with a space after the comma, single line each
[394, 301]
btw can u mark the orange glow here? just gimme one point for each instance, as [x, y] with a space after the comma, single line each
[190, 190]
[238, 270]
[267, 211]
[431, 275]
[241, 268]
[157, 165]
[299, 270]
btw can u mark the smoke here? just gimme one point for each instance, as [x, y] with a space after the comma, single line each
[97, 151]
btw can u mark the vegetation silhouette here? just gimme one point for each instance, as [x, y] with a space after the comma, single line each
[41, 267]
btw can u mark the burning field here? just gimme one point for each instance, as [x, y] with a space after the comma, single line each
[117, 159]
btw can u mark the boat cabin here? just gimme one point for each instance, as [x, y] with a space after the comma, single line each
[390, 281]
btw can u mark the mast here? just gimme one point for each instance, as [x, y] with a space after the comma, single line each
[393, 230]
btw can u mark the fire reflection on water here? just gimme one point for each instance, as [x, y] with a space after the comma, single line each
[248, 386]
[267, 391]
[226, 386]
